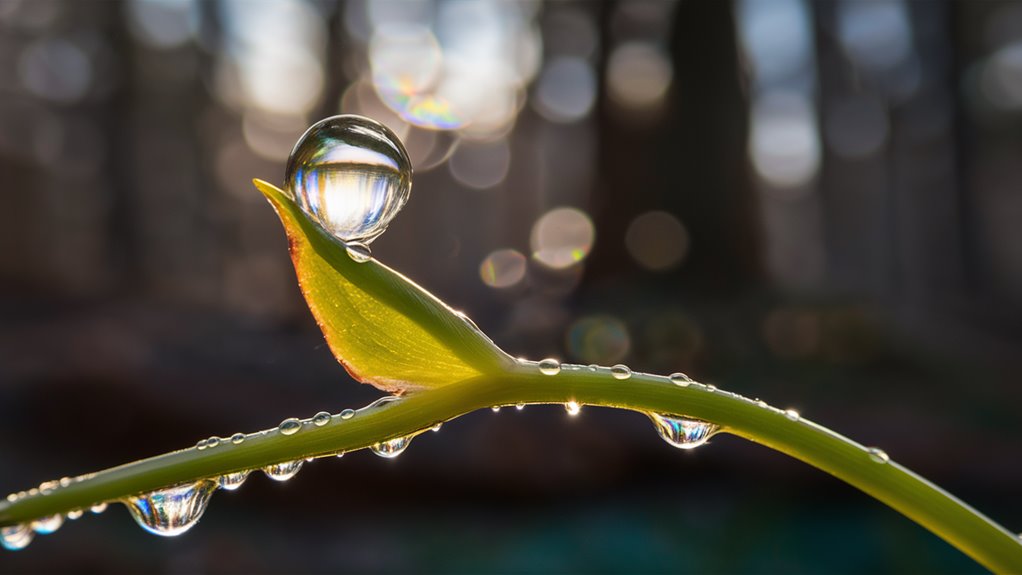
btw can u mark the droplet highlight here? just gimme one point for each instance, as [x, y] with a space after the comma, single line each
[792, 414]
[232, 481]
[289, 426]
[351, 175]
[174, 510]
[15, 537]
[550, 366]
[49, 524]
[98, 508]
[392, 447]
[75, 514]
[878, 455]
[681, 432]
[620, 371]
[320, 419]
[283, 471]
[573, 408]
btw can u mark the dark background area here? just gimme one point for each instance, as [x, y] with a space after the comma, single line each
[816, 203]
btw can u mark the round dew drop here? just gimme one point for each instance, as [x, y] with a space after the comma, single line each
[289, 426]
[392, 447]
[213, 442]
[75, 514]
[347, 414]
[680, 379]
[98, 508]
[878, 455]
[173, 510]
[620, 371]
[15, 537]
[237, 438]
[320, 419]
[351, 175]
[232, 481]
[792, 414]
[683, 433]
[550, 366]
[46, 525]
[358, 252]
[283, 471]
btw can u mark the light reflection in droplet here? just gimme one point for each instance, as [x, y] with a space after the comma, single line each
[503, 268]
[562, 237]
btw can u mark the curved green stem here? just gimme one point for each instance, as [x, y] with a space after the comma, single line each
[943, 514]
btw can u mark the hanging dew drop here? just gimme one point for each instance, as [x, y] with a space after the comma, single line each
[573, 408]
[392, 447]
[620, 371]
[550, 366]
[283, 471]
[237, 438]
[232, 481]
[495, 409]
[289, 426]
[320, 419]
[358, 252]
[347, 414]
[15, 537]
[350, 174]
[878, 455]
[519, 406]
[49, 524]
[98, 508]
[436, 427]
[75, 514]
[680, 379]
[174, 510]
[683, 433]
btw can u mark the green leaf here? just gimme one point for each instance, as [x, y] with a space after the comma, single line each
[382, 327]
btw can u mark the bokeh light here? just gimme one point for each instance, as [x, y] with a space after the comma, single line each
[566, 90]
[562, 237]
[784, 144]
[657, 240]
[503, 268]
[600, 339]
[638, 75]
[481, 165]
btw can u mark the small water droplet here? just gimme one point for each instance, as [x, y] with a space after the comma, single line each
[237, 438]
[550, 366]
[761, 403]
[173, 510]
[878, 455]
[680, 379]
[620, 371]
[495, 409]
[792, 414]
[12, 497]
[358, 252]
[573, 408]
[347, 414]
[75, 514]
[283, 471]
[289, 426]
[47, 487]
[320, 419]
[202, 444]
[65, 481]
[232, 481]
[212, 442]
[683, 433]
[519, 406]
[392, 447]
[48, 524]
[340, 455]
[437, 426]
[16, 537]
[350, 174]
[593, 367]
[98, 508]
[310, 459]
[711, 388]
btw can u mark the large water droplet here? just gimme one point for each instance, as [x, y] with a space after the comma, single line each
[48, 524]
[347, 414]
[16, 537]
[550, 367]
[878, 455]
[680, 379]
[351, 174]
[237, 438]
[283, 471]
[320, 419]
[573, 408]
[289, 426]
[392, 447]
[232, 481]
[173, 510]
[621, 371]
[683, 433]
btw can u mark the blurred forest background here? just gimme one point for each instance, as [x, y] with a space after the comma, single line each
[815, 203]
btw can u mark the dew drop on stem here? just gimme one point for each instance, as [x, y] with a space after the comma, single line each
[283, 471]
[878, 455]
[392, 447]
[289, 426]
[48, 524]
[549, 366]
[320, 419]
[681, 432]
[232, 481]
[15, 537]
[620, 371]
[173, 510]
[347, 414]
[680, 379]
[573, 408]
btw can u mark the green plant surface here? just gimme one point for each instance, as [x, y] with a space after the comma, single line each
[449, 368]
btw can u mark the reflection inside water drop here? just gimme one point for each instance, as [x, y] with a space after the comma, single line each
[49, 524]
[173, 510]
[15, 537]
[283, 471]
[392, 447]
[351, 174]
[683, 433]
[549, 366]
[232, 481]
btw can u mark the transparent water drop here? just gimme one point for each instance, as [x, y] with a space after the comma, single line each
[550, 366]
[173, 510]
[573, 408]
[792, 414]
[15, 537]
[232, 481]
[358, 252]
[49, 524]
[237, 438]
[350, 174]
[320, 419]
[98, 508]
[289, 426]
[392, 447]
[495, 409]
[212, 442]
[437, 426]
[680, 379]
[75, 514]
[519, 406]
[878, 455]
[620, 371]
[347, 414]
[593, 367]
[283, 471]
[47, 487]
[202, 444]
[681, 432]
[340, 454]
